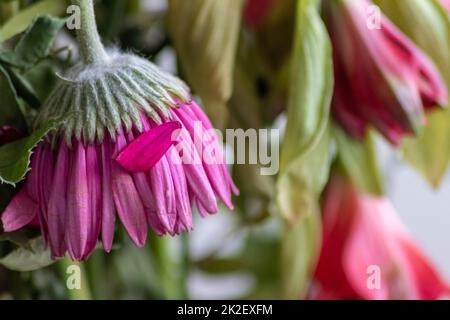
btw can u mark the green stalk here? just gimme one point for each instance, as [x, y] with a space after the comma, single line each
[91, 47]
[168, 268]
[84, 293]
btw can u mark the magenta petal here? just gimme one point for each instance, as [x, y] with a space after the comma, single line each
[163, 190]
[20, 212]
[128, 202]
[94, 185]
[108, 211]
[39, 183]
[184, 212]
[78, 207]
[57, 203]
[213, 165]
[144, 152]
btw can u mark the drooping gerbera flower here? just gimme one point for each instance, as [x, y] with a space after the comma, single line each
[382, 78]
[367, 252]
[118, 152]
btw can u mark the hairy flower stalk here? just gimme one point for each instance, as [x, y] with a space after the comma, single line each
[116, 153]
[382, 78]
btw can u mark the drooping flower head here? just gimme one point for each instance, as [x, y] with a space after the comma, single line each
[382, 78]
[367, 252]
[117, 153]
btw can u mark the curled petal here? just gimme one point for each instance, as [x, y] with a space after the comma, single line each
[145, 151]
[21, 211]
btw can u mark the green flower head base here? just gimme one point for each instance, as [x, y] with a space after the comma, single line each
[98, 97]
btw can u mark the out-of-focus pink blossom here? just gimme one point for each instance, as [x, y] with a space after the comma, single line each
[367, 252]
[382, 78]
[446, 4]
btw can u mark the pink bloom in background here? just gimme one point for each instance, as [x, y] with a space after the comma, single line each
[446, 4]
[256, 11]
[363, 238]
[76, 191]
[382, 78]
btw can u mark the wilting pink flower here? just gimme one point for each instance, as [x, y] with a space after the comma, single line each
[76, 190]
[256, 11]
[363, 238]
[382, 78]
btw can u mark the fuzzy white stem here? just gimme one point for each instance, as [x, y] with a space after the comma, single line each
[91, 47]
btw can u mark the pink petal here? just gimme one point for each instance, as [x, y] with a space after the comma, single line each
[108, 210]
[39, 180]
[163, 191]
[159, 223]
[214, 166]
[428, 284]
[183, 206]
[57, 202]
[128, 203]
[144, 152]
[196, 176]
[20, 212]
[78, 204]
[94, 185]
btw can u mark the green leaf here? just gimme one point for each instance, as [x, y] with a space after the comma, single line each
[19, 238]
[300, 251]
[205, 34]
[10, 105]
[299, 189]
[359, 161]
[427, 24]
[30, 257]
[23, 19]
[15, 157]
[35, 44]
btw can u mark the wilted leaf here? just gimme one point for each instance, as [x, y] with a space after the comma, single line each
[205, 33]
[15, 157]
[301, 247]
[23, 88]
[305, 154]
[298, 189]
[23, 19]
[31, 257]
[35, 44]
[10, 104]
[358, 159]
[426, 23]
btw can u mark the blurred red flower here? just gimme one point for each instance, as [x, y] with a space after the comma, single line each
[367, 252]
[382, 78]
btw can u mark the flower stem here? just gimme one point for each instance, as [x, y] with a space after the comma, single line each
[82, 293]
[91, 47]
